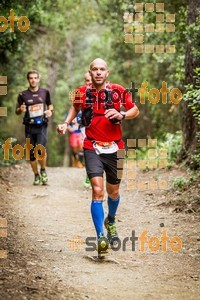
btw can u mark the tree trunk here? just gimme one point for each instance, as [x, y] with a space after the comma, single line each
[189, 123]
[68, 151]
[51, 85]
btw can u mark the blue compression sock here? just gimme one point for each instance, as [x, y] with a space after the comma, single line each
[112, 207]
[97, 216]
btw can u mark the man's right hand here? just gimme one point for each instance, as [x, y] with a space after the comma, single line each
[23, 107]
[62, 128]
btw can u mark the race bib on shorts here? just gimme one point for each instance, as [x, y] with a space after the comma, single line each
[36, 110]
[105, 147]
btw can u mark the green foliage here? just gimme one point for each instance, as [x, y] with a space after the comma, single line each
[193, 176]
[180, 183]
[15, 42]
[192, 96]
[65, 36]
[11, 159]
[172, 142]
[196, 160]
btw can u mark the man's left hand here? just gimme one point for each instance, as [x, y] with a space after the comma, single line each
[113, 114]
[48, 113]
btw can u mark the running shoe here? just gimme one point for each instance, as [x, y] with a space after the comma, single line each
[36, 180]
[44, 178]
[79, 165]
[111, 231]
[87, 183]
[102, 245]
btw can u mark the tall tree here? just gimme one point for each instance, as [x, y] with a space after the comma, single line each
[190, 124]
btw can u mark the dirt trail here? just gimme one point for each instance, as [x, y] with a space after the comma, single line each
[43, 220]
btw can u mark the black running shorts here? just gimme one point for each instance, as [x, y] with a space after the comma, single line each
[96, 164]
[37, 136]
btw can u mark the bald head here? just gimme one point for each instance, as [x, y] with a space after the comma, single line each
[99, 72]
[98, 61]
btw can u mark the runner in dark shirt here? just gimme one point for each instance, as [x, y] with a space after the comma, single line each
[36, 105]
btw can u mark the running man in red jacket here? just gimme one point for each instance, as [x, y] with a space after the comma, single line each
[101, 103]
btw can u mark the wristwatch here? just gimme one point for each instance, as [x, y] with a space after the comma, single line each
[123, 113]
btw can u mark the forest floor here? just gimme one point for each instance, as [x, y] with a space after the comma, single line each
[48, 226]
